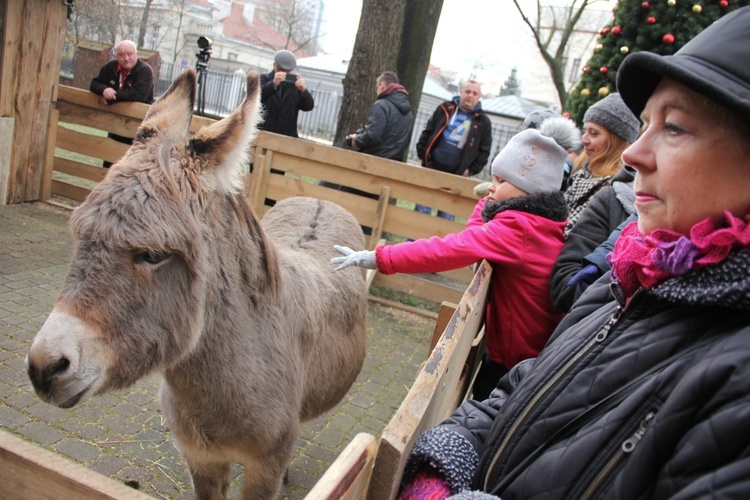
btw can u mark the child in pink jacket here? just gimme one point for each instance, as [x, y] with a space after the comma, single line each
[518, 228]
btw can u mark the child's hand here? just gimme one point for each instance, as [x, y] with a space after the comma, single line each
[363, 258]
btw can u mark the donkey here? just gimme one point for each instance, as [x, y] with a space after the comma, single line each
[173, 272]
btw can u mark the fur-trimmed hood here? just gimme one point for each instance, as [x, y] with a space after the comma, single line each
[549, 205]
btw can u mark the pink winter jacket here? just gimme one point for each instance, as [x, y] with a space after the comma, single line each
[522, 248]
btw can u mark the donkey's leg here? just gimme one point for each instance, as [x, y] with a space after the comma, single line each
[263, 478]
[210, 480]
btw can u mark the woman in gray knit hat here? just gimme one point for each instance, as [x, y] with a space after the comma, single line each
[609, 127]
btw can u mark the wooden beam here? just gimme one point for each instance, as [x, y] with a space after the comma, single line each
[348, 477]
[29, 471]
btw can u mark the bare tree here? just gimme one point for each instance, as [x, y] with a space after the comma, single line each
[552, 28]
[294, 19]
[376, 49]
[144, 24]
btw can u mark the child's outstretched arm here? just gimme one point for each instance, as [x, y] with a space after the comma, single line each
[362, 258]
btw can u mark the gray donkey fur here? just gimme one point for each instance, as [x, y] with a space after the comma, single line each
[172, 272]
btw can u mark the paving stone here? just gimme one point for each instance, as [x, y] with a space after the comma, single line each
[78, 450]
[41, 433]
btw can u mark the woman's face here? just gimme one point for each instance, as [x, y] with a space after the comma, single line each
[689, 166]
[595, 139]
[501, 190]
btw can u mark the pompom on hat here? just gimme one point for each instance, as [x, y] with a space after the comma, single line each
[285, 60]
[533, 159]
[714, 64]
[614, 115]
[536, 117]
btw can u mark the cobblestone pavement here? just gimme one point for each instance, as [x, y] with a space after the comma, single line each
[123, 435]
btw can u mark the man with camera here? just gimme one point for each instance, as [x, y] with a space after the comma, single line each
[283, 95]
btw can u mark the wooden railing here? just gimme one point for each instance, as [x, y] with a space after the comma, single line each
[371, 468]
[282, 167]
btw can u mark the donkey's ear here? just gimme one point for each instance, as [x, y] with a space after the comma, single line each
[224, 145]
[172, 112]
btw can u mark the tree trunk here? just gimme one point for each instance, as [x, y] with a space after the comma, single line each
[420, 24]
[144, 25]
[376, 49]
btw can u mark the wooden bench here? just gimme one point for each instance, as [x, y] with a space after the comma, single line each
[441, 385]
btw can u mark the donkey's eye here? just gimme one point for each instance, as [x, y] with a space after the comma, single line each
[150, 257]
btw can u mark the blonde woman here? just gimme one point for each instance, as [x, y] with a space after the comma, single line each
[608, 128]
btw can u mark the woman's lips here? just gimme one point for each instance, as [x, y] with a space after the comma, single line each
[642, 197]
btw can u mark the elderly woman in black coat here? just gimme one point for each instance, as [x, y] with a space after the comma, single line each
[644, 389]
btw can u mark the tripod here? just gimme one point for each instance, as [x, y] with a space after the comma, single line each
[202, 66]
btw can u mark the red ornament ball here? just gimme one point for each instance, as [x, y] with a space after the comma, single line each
[616, 30]
[723, 4]
[668, 39]
[603, 70]
[645, 5]
[650, 20]
[585, 69]
[604, 31]
[567, 114]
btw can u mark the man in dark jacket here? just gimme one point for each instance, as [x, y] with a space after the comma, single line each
[124, 79]
[283, 95]
[457, 138]
[388, 128]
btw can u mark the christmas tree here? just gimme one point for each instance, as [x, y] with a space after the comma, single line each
[511, 86]
[660, 26]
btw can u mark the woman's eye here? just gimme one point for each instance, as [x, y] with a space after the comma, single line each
[150, 257]
[672, 128]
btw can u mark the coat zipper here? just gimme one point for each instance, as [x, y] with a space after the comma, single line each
[600, 336]
[626, 448]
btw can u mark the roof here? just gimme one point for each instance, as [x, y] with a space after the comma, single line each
[509, 105]
[257, 33]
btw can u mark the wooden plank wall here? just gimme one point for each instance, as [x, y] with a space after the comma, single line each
[32, 41]
[284, 167]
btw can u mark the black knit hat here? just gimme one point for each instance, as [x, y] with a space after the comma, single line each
[715, 63]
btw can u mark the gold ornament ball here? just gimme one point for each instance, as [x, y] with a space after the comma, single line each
[671, 3]
[598, 47]
[624, 49]
[604, 91]
[697, 8]
[585, 92]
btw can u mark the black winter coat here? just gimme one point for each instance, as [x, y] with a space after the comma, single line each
[388, 129]
[282, 106]
[602, 215]
[476, 151]
[679, 430]
[138, 86]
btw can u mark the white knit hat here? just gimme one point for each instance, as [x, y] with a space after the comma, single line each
[533, 160]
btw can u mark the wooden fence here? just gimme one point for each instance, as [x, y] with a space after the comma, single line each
[282, 167]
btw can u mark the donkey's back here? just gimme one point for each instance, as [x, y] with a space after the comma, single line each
[333, 304]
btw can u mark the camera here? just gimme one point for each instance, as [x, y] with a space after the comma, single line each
[204, 43]
[290, 79]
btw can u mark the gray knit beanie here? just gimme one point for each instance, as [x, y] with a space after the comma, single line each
[533, 159]
[285, 60]
[612, 114]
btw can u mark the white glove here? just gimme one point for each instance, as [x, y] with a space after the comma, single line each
[363, 258]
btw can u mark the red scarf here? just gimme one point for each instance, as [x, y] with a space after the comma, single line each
[647, 261]
[123, 74]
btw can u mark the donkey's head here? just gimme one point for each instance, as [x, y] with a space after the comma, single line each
[145, 244]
